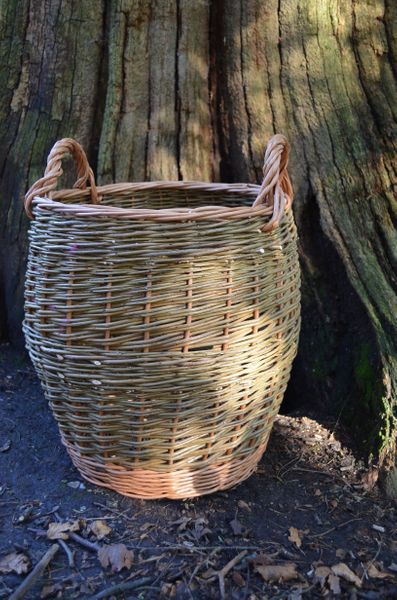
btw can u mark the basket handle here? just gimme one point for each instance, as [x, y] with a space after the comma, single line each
[276, 188]
[53, 170]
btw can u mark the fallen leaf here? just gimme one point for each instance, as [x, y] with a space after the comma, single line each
[369, 479]
[6, 446]
[278, 573]
[321, 574]
[116, 556]
[182, 524]
[262, 559]
[393, 567]
[243, 505]
[76, 485]
[50, 590]
[200, 528]
[238, 579]
[374, 572]
[237, 527]
[334, 584]
[100, 529]
[15, 562]
[294, 536]
[340, 553]
[342, 570]
[59, 531]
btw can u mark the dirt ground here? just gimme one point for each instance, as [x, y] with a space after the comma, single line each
[310, 523]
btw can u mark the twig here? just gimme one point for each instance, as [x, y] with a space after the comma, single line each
[324, 473]
[316, 535]
[122, 587]
[369, 565]
[73, 536]
[225, 570]
[41, 515]
[34, 575]
[68, 552]
[94, 547]
[200, 564]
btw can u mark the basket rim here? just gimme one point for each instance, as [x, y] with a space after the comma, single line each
[205, 212]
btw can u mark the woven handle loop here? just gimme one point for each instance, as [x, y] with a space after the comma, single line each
[53, 171]
[276, 189]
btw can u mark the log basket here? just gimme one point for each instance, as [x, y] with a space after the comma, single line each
[162, 319]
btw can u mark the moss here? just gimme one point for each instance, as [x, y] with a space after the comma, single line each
[377, 422]
[367, 378]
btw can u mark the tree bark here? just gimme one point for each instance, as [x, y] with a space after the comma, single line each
[192, 89]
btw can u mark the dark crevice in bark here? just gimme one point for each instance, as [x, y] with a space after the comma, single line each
[387, 20]
[149, 105]
[124, 17]
[244, 88]
[338, 348]
[100, 98]
[214, 75]
[361, 76]
[177, 92]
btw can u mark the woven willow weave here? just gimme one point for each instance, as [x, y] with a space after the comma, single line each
[162, 319]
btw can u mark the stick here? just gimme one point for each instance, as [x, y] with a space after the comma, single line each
[68, 552]
[35, 575]
[200, 564]
[73, 536]
[225, 570]
[86, 543]
[122, 587]
[316, 535]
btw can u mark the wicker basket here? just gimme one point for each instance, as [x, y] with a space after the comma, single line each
[162, 319]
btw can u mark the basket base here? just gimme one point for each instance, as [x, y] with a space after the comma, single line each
[177, 485]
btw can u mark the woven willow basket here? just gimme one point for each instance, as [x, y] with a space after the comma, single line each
[162, 319]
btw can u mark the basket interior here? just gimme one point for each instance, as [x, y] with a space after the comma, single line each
[156, 199]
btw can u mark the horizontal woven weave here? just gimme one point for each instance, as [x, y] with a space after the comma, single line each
[163, 321]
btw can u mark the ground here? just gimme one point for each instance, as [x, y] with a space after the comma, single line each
[311, 522]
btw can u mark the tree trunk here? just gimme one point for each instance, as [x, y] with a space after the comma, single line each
[192, 89]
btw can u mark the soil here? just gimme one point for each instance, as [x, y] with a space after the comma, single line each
[310, 523]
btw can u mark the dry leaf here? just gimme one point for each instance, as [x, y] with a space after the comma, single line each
[243, 505]
[6, 446]
[116, 556]
[236, 526]
[200, 528]
[15, 562]
[238, 579]
[50, 590]
[334, 584]
[294, 536]
[100, 529]
[321, 574]
[76, 485]
[182, 524]
[262, 559]
[375, 573]
[340, 553]
[369, 479]
[59, 531]
[343, 570]
[278, 573]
